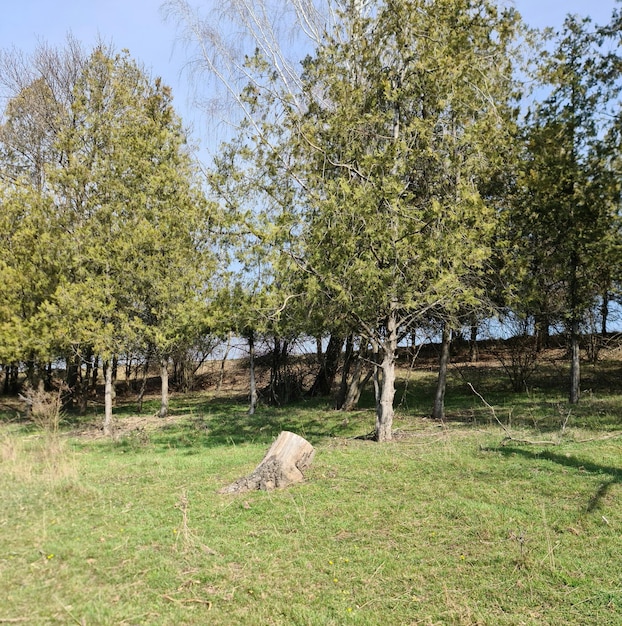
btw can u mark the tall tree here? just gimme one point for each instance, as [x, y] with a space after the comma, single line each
[566, 202]
[126, 195]
[384, 138]
[399, 130]
[39, 89]
[29, 266]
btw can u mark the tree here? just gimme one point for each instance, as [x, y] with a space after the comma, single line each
[29, 268]
[135, 180]
[240, 50]
[391, 151]
[250, 178]
[122, 194]
[39, 89]
[373, 156]
[566, 199]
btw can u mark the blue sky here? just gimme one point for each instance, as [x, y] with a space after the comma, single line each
[138, 25]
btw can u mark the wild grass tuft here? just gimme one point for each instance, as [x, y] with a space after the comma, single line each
[44, 408]
[44, 458]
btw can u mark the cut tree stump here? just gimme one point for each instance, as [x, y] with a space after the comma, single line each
[284, 463]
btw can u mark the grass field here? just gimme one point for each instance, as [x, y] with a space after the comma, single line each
[456, 523]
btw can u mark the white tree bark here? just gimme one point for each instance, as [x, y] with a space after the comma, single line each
[108, 394]
[385, 381]
[164, 378]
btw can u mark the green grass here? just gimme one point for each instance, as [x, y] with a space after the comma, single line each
[449, 524]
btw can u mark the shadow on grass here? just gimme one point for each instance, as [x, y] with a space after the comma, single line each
[216, 423]
[613, 474]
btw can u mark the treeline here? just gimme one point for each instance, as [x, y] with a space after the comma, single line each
[103, 222]
[397, 178]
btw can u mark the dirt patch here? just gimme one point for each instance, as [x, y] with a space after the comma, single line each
[122, 427]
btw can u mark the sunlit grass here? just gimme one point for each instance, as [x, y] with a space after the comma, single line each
[452, 523]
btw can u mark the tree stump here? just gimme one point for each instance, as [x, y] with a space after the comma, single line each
[284, 463]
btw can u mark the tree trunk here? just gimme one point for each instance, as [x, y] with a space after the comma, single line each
[345, 372]
[183, 375]
[251, 373]
[73, 364]
[355, 378]
[473, 349]
[95, 373]
[31, 376]
[14, 379]
[318, 350]
[143, 383]
[83, 397]
[329, 364]
[604, 313]
[128, 371]
[384, 381]
[223, 363]
[85, 382]
[164, 379]
[438, 411]
[115, 368]
[360, 377]
[542, 329]
[284, 463]
[108, 393]
[575, 363]
[48, 377]
[284, 387]
[277, 378]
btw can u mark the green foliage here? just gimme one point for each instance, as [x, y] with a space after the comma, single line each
[30, 269]
[113, 250]
[127, 184]
[360, 187]
[565, 222]
[396, 147]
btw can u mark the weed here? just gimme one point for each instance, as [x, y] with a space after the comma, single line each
[185, 539]
[44, 458]
[44, 408]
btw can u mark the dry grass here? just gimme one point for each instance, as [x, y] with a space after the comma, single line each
[38, 458]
